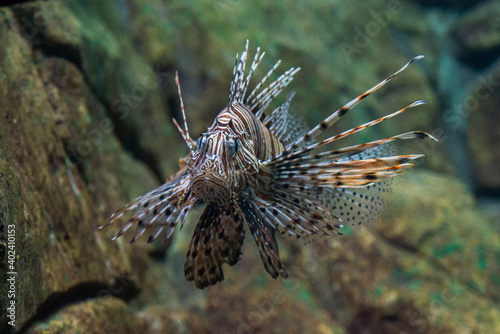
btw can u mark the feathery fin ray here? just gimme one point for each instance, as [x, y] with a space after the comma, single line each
[333, 118]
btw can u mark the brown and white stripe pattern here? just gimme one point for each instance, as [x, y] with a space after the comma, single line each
[263, 170]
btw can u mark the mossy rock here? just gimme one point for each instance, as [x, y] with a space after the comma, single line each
[62, 171]
[101, 315]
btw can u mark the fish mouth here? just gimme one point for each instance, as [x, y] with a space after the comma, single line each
[211, 188]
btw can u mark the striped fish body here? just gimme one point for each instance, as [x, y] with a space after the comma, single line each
[265, 171]
[225, 167]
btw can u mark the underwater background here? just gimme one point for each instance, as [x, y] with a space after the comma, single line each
[87, 94]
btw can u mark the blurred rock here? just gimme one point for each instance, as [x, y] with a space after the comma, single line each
[431, 265]
[158, 319]
[348, 58]
[482, 105]
[95, 39]
[101, 315]
[258, 304]
[478, 35]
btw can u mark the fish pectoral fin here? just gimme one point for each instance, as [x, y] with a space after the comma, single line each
[263, 232]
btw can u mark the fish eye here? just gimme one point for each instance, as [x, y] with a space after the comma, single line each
[233, 146]
[201, 143]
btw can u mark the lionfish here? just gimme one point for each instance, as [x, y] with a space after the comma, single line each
[265, 170]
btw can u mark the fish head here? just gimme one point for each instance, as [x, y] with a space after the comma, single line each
[218, 168]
